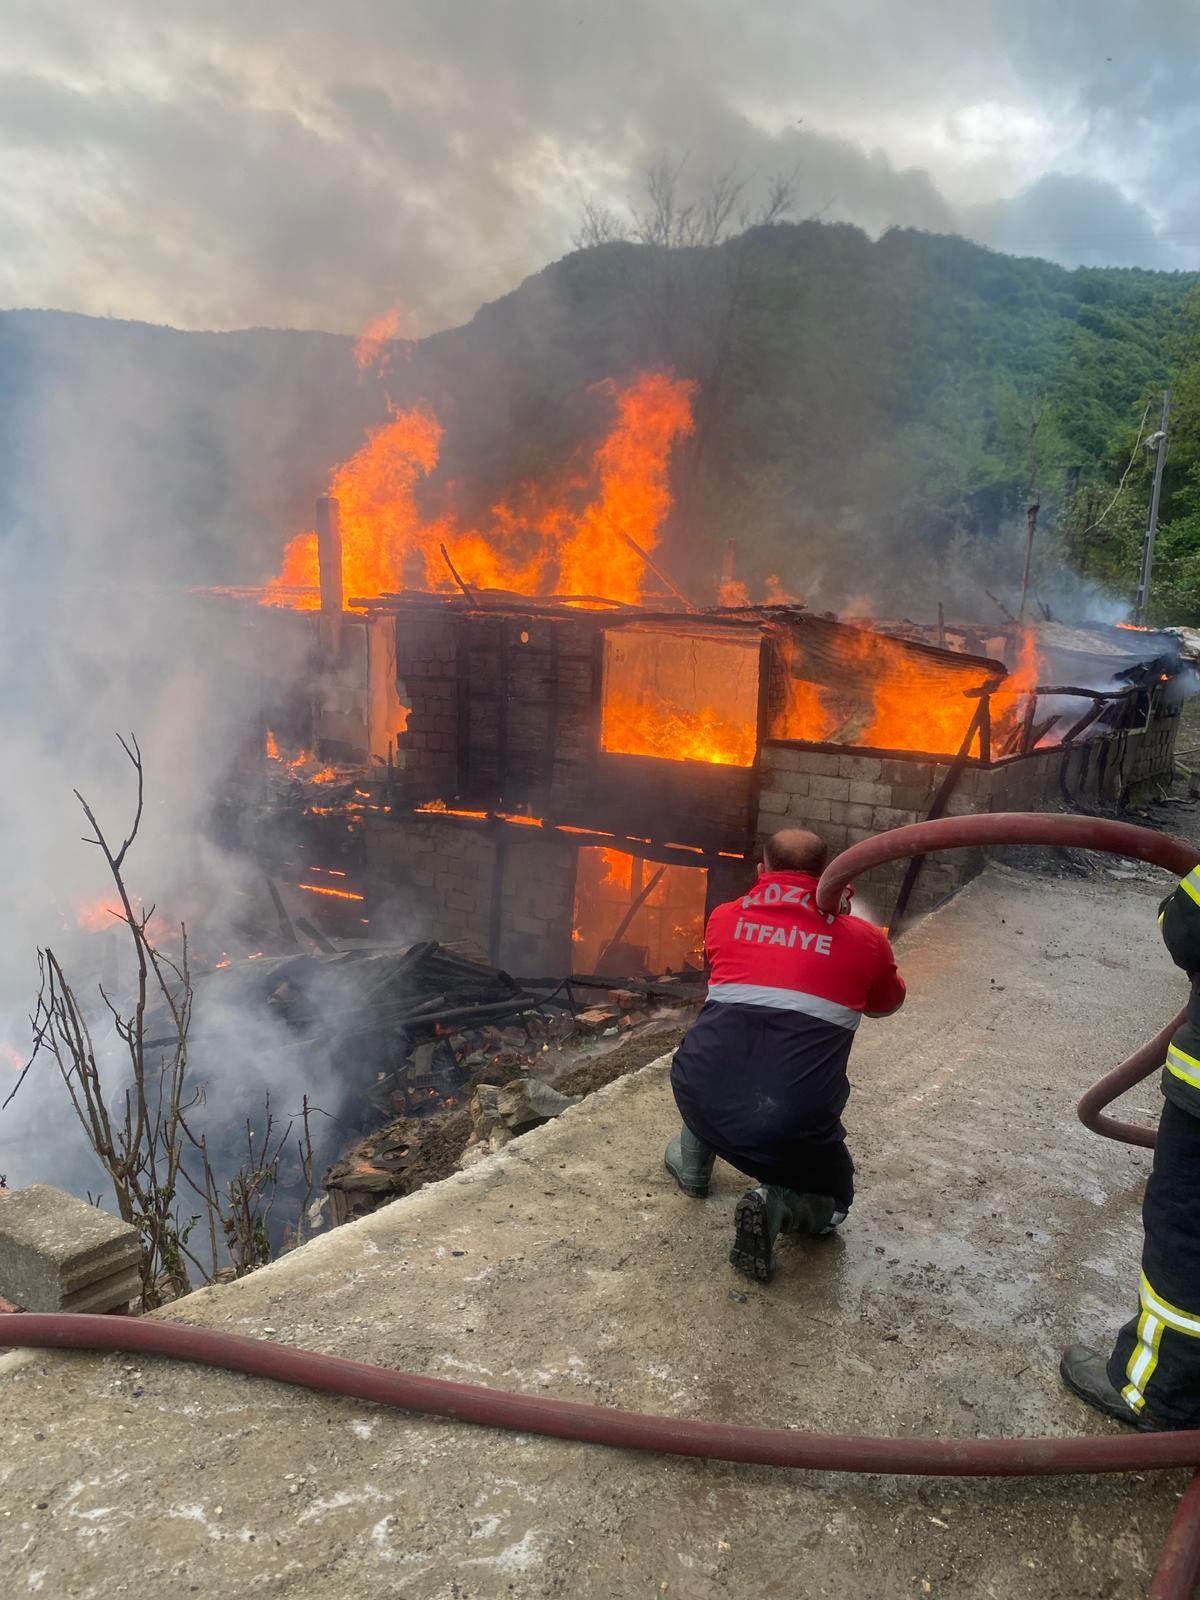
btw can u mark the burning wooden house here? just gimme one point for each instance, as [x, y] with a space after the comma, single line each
[572, 783]
[486, 729]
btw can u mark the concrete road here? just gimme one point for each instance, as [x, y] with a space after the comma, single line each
[990, 1229]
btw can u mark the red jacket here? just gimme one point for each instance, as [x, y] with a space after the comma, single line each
[774, 948]
[760, 1076]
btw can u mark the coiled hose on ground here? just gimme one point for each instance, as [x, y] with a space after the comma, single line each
[1179, 1565]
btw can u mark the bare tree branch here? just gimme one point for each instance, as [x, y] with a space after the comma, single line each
[146, 1144]
[597, 225]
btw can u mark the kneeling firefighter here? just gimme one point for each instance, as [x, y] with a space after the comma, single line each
[1151, 1378]
[760, 1077]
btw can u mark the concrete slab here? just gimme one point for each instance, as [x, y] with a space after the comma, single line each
[57, 1253]
[990, 1229]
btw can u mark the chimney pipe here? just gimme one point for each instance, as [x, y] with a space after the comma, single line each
[329, 562]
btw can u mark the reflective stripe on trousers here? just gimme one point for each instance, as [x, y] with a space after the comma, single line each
[1157, 1314]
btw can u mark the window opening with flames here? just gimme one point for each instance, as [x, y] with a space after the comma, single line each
[681, 697]
[636, 916]
[852, 686]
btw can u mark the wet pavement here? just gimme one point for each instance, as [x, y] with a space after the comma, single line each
[990, 1229]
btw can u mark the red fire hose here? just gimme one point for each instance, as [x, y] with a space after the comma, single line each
[1179, 1566]
[1023, 827]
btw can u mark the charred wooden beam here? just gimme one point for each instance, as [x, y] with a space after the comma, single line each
[984, 721]
[657, 571]
[632, 910]
[1085, 721]
[937, 806]
[317, 937]
[454, 573]
[285, 922]
[329, 563]
[1031, 705]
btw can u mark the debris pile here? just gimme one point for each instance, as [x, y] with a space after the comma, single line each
[477, 1083]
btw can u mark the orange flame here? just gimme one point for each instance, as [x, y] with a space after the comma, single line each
[334, 894]
[441, 809]
[652, 726]
[618, 868]
[904, 711]
[635, 496]
[668, 924]
[108, 912]
[296, 764]
[99, 915]
[534, 543]
[1022, 678]
[298, 583]
[778, 595]
[370, 348]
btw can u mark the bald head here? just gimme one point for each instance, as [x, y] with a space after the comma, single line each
[795, 850]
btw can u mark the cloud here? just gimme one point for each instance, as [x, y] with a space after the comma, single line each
[1077, 221]
[289, 164]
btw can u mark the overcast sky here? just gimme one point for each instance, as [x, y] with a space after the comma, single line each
[225, 163]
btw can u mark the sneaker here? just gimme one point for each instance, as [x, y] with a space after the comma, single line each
[1085, 1373]
[752, 1254]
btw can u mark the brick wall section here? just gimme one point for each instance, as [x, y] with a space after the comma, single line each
[1151, 756]
[849, 797]
[429, 880]
[435, 879]
[845, 798]
[577, 724]
[514, 697]
[427, 670]
[539, 900]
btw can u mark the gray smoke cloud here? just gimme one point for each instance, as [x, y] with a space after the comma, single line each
[100, 635]
[236, 165]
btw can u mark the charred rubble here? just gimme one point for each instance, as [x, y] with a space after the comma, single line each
[433, 1050]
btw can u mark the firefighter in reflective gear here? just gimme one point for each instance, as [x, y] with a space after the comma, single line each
[760, 1077]
[1152, 1377]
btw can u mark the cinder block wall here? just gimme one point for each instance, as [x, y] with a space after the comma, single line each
[538, 903]
[846, 798]
[435, 879]
[427, 682]
[1151, 755]
[429, 879]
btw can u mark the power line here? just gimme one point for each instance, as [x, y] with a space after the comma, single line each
[1141, 429]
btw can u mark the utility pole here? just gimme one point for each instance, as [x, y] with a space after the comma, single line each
[1032, 507]
[1143, 589]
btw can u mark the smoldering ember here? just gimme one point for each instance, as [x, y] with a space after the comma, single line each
[544, 742]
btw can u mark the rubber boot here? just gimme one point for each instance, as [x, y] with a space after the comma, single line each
[690, 1163]
[1085, 1372]
[764, 1213]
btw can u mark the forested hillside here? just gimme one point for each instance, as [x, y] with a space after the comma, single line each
[871, 418]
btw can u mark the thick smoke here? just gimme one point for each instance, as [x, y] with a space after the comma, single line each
[99, 635]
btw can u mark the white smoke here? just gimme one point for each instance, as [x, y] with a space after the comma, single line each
[99, 635]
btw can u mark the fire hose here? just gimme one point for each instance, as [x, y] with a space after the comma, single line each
[1179, 1566]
